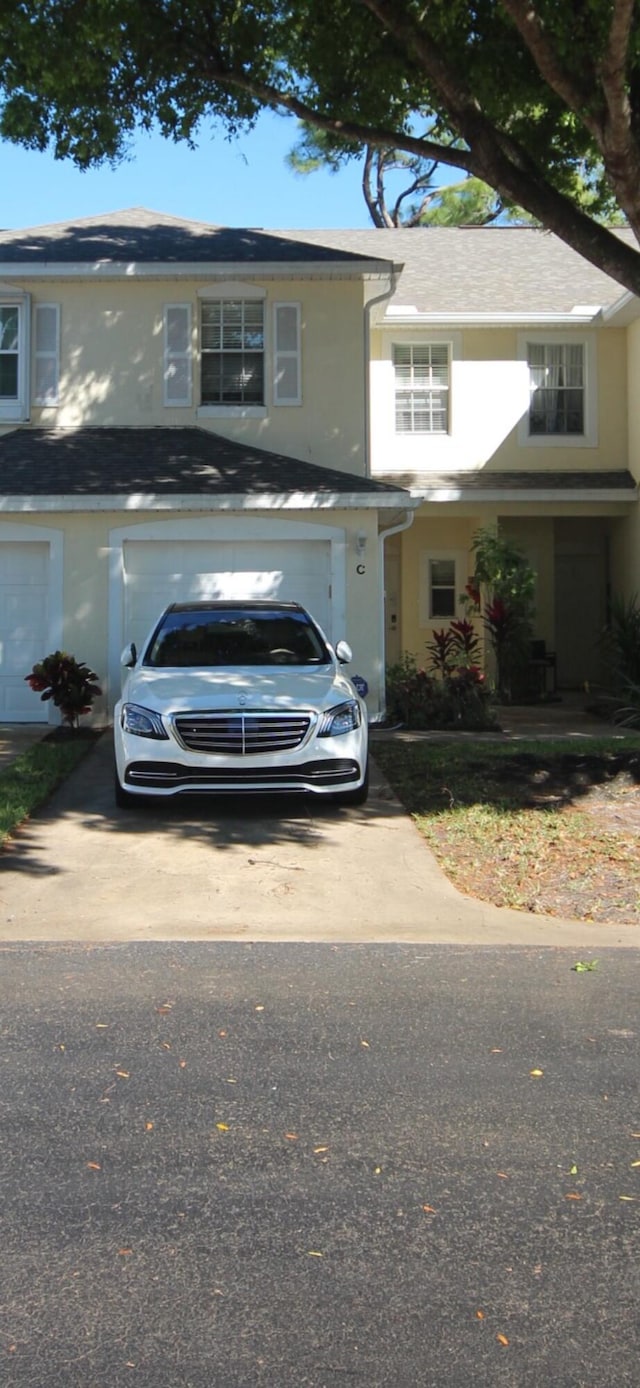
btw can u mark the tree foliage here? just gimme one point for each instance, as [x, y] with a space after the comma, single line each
[418, 201]
[538, 99]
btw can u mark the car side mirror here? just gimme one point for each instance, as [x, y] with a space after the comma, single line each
[344, 652]
[129, 656]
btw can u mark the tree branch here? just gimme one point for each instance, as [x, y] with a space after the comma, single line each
[532, 32]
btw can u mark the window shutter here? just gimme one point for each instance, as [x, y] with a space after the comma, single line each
[287, 372]
[46, 354]
[177, 354]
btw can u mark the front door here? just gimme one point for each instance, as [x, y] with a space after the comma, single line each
[581, 595]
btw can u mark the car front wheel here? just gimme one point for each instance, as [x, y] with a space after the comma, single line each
[123, 798]
[355, 797]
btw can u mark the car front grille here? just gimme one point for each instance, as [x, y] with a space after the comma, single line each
[242, 734]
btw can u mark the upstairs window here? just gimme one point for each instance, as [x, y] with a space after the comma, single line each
[9, 352]
[421, 373]
[557, 388]
[232, 352]
[14, 354]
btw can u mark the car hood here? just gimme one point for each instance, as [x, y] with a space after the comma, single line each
[287, 687]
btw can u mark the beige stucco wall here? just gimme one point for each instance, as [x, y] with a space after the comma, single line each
[626, 552]
[489, 397]
[89, 592]
[112, 365]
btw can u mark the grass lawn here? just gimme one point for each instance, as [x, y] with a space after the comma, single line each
[30, 780]
[550, 827]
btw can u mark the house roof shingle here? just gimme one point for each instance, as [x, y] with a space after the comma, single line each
[457, 270]
[481, 269]
[163, 462]
[137, 235]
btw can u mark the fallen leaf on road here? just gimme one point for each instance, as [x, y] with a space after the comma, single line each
[292, 1137]
[94, 1166]
[148, 1127]
[365, 1043]
[124, 1252]
[428, 1209]
[502, 1339]
[311, 1253]
[222, 1127]
[536, 1073]
[573, 1195]
[124, 1074]
[627, 1197]
[480, 1315]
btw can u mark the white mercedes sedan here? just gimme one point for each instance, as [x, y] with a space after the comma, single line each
[239, 696]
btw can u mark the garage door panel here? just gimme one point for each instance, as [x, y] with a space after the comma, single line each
[24, 574]
[182, 571]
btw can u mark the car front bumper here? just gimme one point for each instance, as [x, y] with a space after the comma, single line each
[322, 766]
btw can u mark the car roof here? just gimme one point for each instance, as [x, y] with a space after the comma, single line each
[245, 604]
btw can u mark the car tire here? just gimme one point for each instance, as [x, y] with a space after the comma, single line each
[355, 797]
[123, 798]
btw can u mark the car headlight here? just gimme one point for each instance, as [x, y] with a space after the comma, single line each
[143, 722]
[343, 719]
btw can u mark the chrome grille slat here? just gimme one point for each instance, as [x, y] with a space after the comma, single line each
[242, 734]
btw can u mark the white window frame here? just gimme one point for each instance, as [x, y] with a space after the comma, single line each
[18, 410]
[234, 289]
[412, 344]
[50, 397]
[286, 354]
[171, 356]
[589, 437]
[461, 568]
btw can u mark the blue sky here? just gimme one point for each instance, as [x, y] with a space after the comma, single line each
[240, 183]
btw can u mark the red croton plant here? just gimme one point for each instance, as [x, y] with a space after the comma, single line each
[69, 683]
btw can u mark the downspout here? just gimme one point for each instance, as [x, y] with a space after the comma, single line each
[385, 535]
[371, 303]
[387, 293]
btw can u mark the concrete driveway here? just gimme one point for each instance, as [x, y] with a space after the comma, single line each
[254, 869]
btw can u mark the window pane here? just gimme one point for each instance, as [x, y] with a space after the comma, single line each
[8, 377]
[443, 571]
[422, 383]
[8, 328]
[443, 603]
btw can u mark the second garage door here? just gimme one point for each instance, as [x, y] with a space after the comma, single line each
[24, 589]
[159, 572]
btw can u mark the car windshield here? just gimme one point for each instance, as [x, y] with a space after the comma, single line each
[245, 636]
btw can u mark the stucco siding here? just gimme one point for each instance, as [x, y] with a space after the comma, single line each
[111, 365]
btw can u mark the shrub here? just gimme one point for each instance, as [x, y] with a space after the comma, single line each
[71, 685]
[447, 696]
[502, 590]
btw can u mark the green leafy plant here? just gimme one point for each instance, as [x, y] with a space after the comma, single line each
[502, 591]
[69, 683]
[452, 693]
[621, 641]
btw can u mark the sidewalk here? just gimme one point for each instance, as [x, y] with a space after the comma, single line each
[567, 718]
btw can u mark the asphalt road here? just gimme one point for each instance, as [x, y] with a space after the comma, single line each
[290, 1165]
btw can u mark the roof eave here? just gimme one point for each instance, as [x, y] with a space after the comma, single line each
[194, 269]
[187, 501]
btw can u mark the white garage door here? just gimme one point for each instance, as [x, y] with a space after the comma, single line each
[160, 572]
[24, 586]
